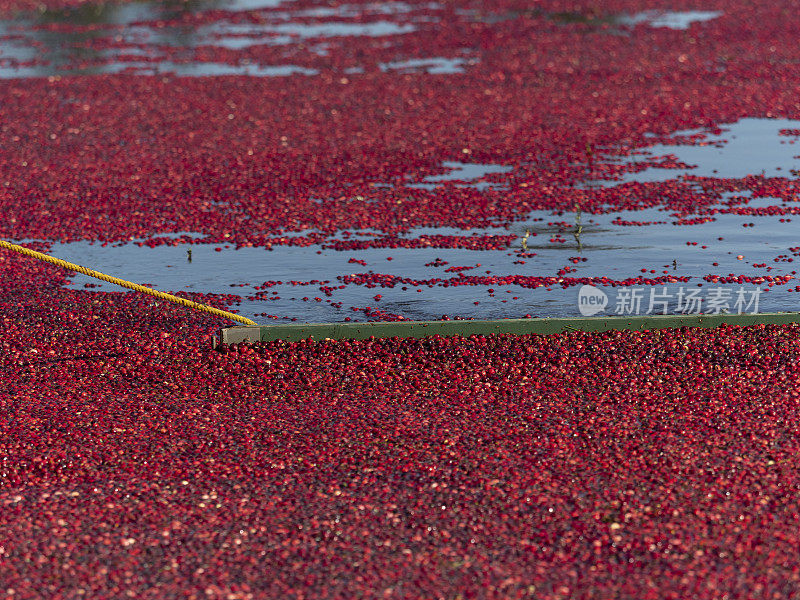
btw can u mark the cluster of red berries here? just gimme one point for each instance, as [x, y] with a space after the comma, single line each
[137, 462]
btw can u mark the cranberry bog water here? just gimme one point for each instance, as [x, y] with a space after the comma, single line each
[348, 162]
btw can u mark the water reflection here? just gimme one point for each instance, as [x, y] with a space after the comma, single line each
[89, 38]
[498, 280]
[729, 154]
[653, 18]
[670, 19]
[432, 66]
[466, 172]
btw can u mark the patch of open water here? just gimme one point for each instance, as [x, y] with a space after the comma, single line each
[31, 47]
[466, 172]
[432, 66]
[670, 19]
[748, 147]
[609, 248]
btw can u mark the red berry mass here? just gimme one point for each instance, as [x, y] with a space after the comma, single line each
[135, 461]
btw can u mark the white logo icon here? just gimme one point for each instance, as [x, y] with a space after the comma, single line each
[591, 300]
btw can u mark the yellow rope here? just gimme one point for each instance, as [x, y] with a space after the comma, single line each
[125, 284]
